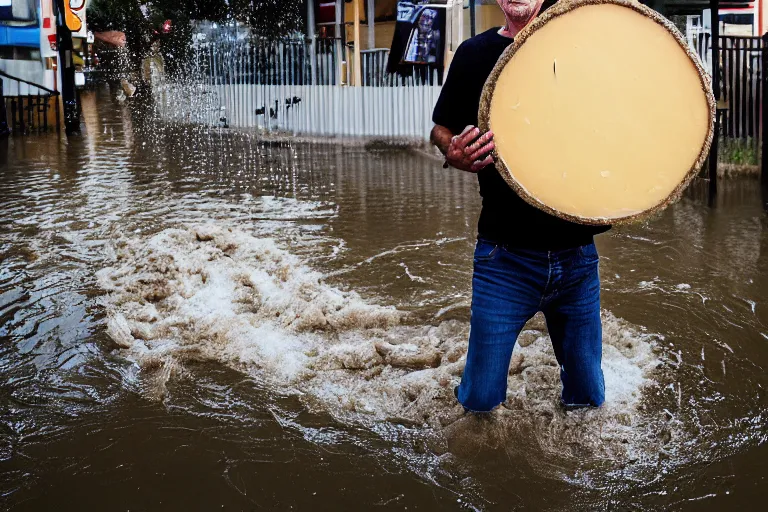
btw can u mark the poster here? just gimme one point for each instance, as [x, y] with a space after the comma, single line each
[425, 39]
[419, 38]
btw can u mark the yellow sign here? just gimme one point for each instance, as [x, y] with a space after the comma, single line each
[71, 14]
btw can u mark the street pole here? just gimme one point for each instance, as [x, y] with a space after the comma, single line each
[371, 22]
[472, 29]
[338, 39]
[67, 68]
[4, 130]
[311, 37]
[715, 25]
[764, 116]
[358, 43]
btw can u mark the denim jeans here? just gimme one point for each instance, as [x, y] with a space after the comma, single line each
[511, 285]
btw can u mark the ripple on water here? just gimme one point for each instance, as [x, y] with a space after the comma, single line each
[215, 292]
[674, 412]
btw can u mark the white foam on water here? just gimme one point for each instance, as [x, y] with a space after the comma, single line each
[411, 276]
[288, 208]
[217, 293]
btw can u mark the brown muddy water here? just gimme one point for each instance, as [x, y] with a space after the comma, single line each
[192, 319]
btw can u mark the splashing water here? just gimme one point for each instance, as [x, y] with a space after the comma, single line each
[215, 292]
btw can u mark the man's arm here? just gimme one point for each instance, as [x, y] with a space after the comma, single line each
[460, 151]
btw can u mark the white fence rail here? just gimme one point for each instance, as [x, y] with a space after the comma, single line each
[291, 88]
[700, 40]
[386, 112]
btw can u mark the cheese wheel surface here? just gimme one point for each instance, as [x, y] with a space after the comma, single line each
[599, 111]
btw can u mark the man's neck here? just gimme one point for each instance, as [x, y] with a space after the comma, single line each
[505, 32]
[513, 27]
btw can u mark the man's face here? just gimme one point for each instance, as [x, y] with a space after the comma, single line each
[425, 23]
[519, 11]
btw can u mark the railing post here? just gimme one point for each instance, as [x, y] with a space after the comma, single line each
[357, 76]
[370, 18]
[338, 47]
[45, 112]
[311, 37]
[4, 131]
[764, 113]
[715, 23]
[13, 114]
[22, 127]
[30, 107]
[472, 29]
[58, 114]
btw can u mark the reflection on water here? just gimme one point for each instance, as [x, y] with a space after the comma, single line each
[197, 318]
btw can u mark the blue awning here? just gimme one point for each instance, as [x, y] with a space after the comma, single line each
[20, 36]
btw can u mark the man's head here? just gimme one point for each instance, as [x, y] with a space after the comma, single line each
[427, 19]
[519, 12]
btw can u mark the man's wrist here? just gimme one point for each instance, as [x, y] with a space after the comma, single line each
[446, 164]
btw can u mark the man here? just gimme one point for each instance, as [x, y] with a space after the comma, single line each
[424, 40]
[525, 260]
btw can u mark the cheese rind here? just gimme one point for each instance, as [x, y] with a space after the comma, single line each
[600, 112]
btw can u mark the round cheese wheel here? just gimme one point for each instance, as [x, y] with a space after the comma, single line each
[601, 113]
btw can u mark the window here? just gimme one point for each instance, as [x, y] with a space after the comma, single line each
[18, 12]
[19, 53]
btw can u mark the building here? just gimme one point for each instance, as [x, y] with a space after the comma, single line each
[28, 40]
[367, 30]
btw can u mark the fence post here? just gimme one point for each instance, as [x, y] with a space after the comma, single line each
[22, 126]
[369, 17]
[472, 17]
[3, 114]
[716, 90]
[764, 113]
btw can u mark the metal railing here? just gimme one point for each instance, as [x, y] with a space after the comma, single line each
[374, 67]
[290, 62]
[740, 78]
[297, 62]
[295, 87]
[374, 71]
[25, 107]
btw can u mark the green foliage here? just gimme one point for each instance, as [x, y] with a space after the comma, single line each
[269, 19]
[738, 151]
[124, 16]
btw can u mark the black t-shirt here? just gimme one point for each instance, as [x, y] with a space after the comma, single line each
[505, 217]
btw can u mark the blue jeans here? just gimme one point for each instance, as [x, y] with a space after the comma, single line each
[509, 286]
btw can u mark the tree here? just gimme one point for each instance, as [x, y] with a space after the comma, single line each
[143, 22]
[125, 16]
[270, 19]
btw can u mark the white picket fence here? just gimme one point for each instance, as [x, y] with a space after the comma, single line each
[294, 87]
[328, 110]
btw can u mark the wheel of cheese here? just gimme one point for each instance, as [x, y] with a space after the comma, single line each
[601, 113]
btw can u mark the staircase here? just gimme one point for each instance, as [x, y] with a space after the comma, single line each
[26, 107]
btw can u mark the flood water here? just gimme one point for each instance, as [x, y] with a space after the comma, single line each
[191, 319]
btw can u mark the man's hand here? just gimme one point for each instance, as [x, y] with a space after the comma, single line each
[468, 151]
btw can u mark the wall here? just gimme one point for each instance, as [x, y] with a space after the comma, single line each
[486, 16]
[383, 31]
